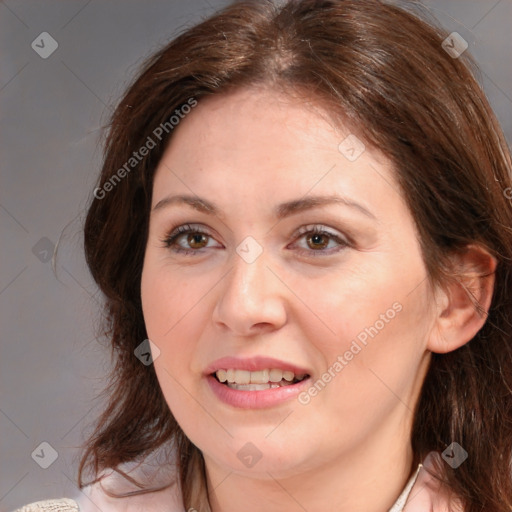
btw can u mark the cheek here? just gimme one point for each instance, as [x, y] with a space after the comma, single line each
[168, 307]
[168, 295]
[373, 299]
[175, 316]
[370, 326]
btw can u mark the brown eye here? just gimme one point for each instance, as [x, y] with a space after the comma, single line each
[197, 240]
[317, 241]
[188, 240]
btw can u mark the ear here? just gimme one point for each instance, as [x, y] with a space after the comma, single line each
[463, 305]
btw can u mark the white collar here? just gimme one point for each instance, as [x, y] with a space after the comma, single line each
[402, 499]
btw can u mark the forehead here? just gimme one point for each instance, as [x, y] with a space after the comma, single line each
[257, 115]
[264, 145]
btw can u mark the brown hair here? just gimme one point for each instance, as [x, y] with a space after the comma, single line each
[383, 71]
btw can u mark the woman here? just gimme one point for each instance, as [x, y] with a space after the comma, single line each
[305, 209]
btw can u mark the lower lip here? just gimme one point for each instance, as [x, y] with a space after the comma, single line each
[255, 399]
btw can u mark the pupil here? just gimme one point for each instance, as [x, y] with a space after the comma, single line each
[317, 240]
[195, 239]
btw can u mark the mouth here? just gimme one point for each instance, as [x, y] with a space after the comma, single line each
[257, 382]
[260, 380]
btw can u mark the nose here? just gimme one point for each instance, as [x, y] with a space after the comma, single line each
[251, 298]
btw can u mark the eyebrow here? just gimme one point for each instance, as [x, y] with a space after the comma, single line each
[280, 211]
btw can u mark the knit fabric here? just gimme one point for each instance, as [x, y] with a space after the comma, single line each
[60, 505]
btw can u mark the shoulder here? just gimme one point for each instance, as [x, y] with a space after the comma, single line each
[103, 497]
[96, 498]
[118, 490]
[60, 505]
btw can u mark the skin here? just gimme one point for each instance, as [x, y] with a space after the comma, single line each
[247, 152]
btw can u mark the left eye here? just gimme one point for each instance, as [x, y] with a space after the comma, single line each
[319, 240]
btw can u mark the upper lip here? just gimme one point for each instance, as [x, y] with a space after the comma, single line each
[253, 364]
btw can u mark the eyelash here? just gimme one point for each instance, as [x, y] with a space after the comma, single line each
[170, 240]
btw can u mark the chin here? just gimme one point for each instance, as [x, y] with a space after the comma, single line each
[256, 456]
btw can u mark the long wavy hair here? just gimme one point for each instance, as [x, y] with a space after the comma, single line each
[384, 71]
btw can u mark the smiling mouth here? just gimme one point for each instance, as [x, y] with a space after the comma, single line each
[244, 380]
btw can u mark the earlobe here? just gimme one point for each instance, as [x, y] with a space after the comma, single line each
[463, 303]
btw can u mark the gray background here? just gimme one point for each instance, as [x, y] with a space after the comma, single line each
[51, 113]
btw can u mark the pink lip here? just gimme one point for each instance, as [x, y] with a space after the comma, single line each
[253, 364]
[254, 399]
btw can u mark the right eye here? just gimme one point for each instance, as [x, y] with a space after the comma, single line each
[187, 239]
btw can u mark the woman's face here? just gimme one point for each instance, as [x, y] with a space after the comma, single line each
[297, 254]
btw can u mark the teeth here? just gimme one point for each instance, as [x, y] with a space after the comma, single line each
[253, 387]
[242, 377]
[276, 375]
[287, 375]
[222, 375]
[262, 379]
